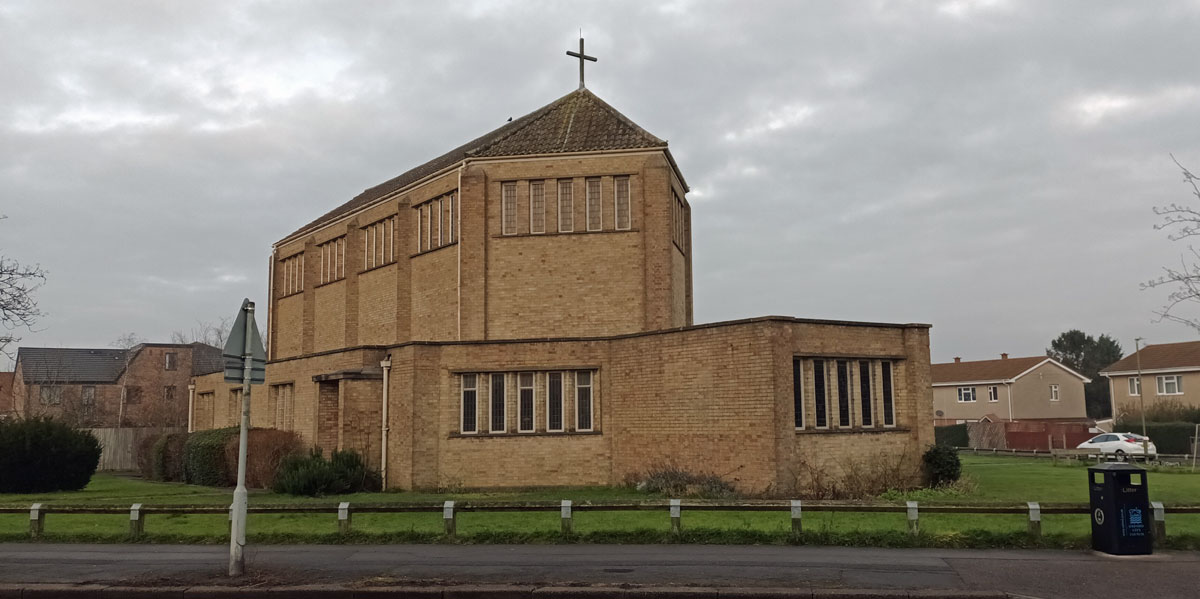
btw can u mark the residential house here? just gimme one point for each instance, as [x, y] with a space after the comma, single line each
[1169, 372]
[1008, 389]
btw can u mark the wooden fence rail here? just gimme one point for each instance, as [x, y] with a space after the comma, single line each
[674, 508]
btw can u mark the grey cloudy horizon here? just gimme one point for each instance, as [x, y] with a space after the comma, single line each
[986, 166]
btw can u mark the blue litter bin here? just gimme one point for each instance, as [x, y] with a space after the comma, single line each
[1121, 514]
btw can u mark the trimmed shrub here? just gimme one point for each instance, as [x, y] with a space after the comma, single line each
[1168, 437]
[39, 455]
[1159, 410]
[266, 451]
[204, 458]
[313, 475]
[145, 456]
[954, 435]
[942, 465]
[167, 460]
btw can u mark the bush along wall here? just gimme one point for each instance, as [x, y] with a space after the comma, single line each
[954, 435]
[39, 455]
[204, 460]
[167, 457]
[1168, 437]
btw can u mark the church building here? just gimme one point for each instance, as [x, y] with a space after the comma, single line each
[518, 312]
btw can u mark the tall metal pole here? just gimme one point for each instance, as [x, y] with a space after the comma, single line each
[1137, 351]
[237, 533]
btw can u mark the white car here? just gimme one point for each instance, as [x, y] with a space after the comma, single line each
[1119, 445]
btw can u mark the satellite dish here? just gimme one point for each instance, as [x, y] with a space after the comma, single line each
[939, 413]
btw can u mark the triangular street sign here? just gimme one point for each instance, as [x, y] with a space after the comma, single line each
[235, 348]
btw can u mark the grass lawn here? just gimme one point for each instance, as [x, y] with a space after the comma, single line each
[991, 481]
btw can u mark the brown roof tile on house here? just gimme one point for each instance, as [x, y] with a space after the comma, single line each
[1162, 355]
[577, 122]
[982, 370]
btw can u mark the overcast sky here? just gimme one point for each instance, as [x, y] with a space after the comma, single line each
[989, 167]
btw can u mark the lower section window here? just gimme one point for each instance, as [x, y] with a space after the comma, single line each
[583, 400]
[862, 390]
[496, 421]
[569, 402]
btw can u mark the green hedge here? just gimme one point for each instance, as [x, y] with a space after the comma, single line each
[954, 435]
[1168, 437]
[167, 457]
[204, 460]
[39, 455]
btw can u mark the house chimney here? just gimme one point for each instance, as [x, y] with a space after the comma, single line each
[1003, 356]
[957, 359]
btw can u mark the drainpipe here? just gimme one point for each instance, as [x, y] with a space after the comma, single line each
[1010, 400]
[383, 457]
[191, 404]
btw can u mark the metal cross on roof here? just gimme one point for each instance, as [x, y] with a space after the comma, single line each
[582, 57]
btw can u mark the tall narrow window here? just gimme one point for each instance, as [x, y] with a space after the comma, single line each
[621, 202]
[428, 225]
[993, 393]
[496, 421]
[843, 391]
[292, 275]
[420, 230]
[864, 392]
[1135, 386]
[537, 207]
[452, 203]
[87, 399]
[169, 360]
[508, 208]
[377, 243]
[1053, 392]
[889, 404]
[798, 392]
[525, 402]
[333, 260]
[566, 216]
[470, 398]
[820, 390]
[583, 400]
[554, 402]
[169, 394]
[595, 218]
[436, 208]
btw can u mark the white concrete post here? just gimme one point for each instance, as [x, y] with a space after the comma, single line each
[37, 520]
[1035, 519]
[1160, 523]
[914, 526]
[448, 517]
[676, 525]
[137, 524]
[565, 510]
[797, 527]
[343, 517]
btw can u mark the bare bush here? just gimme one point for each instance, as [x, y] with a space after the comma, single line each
[858, 477]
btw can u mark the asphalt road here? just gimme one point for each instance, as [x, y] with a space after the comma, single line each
[1043, 574]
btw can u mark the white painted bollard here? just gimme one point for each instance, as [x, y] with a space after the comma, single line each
[566, 516]
[797, 527]
[448, 518]
[1035, 519]
[1160, 523]
[37, 520]
[344, 517]
[914, 526]
[231, 512]
[676, 508]
[136, 522]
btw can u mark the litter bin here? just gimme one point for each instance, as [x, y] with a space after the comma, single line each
[1120, 509]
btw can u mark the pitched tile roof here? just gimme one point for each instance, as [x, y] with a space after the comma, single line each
[577, 122]
[206, 359]
[70, 365]
[1162, 355]
[982, 370]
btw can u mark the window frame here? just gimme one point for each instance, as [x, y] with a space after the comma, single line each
[562, 401]
[508, 195]
[993, 393]
[590, 200]
[1135, 382]
[170, 360]
[1162, 380]
[866, 394]
[821, 394]
[798, 420]
[591, 403]
[462, 403]
[567, 226]
[50, 395]
[1054, 396]
[887, 394]
[964, 392]
[532, 388]
[540, 185]
[844, 393]
[617, 184]
[493, 403]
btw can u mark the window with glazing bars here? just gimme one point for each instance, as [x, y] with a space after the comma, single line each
[595, 218]
[333, 260]
[889, 406]
[583, 400]
[864, 392]
[525, 403]
[470, 398]
[798, 392]
[537, 206]
[496, 421]
[621, 203]
[820, 390]
[508, 208]
[292, 274]
[843, 383]
[554, 402]
[566, 216]
[378, 246]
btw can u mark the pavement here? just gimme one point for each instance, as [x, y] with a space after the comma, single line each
[599, 571]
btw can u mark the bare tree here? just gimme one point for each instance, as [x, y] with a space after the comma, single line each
[127, 341]
[207, 332]
[1181, 222]
[18, 310]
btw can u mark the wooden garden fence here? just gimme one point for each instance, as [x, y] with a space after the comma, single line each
[673, 508]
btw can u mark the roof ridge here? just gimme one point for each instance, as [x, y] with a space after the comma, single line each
[525, 121]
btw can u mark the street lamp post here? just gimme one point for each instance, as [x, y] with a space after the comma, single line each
[1137, 351]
